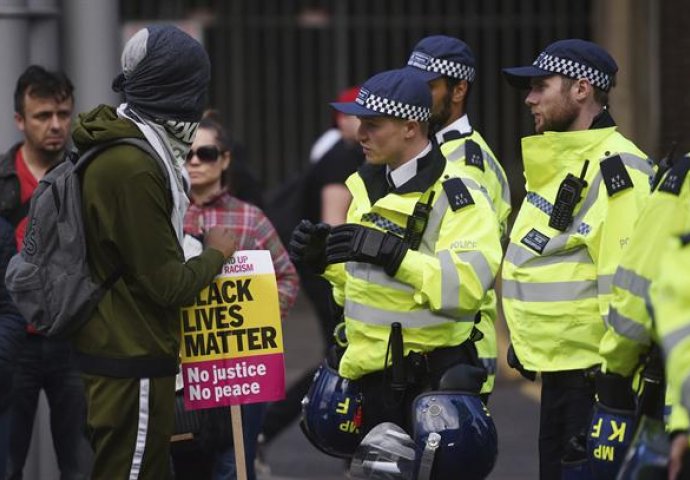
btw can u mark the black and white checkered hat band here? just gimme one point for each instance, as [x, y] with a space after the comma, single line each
[573, 69]
[392, 108]
[442, 66]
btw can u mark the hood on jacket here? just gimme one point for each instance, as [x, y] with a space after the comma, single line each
[101, 125]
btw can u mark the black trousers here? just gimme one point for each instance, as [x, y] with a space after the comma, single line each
[567, 399]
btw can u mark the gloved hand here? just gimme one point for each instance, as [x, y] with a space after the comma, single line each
[352, 242]
[514, 362]
[308, 245]
[614, 391]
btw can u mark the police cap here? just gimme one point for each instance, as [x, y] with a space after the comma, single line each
[573, 58]
[393, 93]
[439, 55]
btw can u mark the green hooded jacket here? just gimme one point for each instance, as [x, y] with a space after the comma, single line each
[134, 332]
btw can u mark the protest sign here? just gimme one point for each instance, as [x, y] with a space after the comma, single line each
[232, 342]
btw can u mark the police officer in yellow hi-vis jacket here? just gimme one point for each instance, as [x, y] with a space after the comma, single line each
[630, 332]
[447, 64]
[670, 298]
[586, 184]
[420, 248]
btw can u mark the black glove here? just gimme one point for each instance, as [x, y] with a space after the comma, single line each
[352, 242]
[514, 362]
[615, 391]
[308, 245]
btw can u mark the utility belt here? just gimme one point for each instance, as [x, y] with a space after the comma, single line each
[424, 370]
[427, 367]
[580, 378]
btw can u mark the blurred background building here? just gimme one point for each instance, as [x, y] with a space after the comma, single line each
[277, 64]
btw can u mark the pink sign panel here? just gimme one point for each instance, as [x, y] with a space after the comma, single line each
[235, 381]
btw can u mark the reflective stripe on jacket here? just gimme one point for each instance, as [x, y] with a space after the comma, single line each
[670, 296]
[630, 320]
[438, 289]
[557, 285]
[493, 178]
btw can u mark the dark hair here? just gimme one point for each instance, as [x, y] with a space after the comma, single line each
[36, 81]
[211, 121]
[451, 82]
[600, 96]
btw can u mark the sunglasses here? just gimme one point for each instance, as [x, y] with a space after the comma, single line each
[205, 154]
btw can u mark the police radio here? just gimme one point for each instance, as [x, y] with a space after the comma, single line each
[417, 222]
[569, 193]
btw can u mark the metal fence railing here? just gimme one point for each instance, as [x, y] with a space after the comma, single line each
[277, 63]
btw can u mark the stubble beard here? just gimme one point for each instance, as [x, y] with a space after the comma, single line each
[560, 119]
[439, 119]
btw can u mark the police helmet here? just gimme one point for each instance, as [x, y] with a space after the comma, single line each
[608, 439]
[454, 432]
[332, 413]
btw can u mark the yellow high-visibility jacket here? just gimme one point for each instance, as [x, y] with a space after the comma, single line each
[438, 288]
[630, 326]
[557, 285]
[670, 297]
[476, 160]
[630, 329]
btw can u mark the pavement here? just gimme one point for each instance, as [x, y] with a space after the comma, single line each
[514, 406]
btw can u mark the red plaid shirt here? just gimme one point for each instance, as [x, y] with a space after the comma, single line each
[253, 231]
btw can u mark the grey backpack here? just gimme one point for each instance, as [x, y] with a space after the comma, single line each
[49, 280]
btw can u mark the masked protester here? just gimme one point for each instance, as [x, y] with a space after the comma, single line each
[134, 207]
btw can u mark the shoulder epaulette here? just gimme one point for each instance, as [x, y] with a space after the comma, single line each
[673, 182]
[616, 177]
[458, 194]
[474, 155]
[451, 135]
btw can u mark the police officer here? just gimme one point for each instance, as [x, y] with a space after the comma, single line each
[417, 251]
[670, 297]
[630, 334]
[447, 65]
[586, 184]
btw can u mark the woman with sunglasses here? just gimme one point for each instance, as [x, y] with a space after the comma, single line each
[213, 203]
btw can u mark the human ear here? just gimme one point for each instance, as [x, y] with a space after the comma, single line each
[460, 91]
[582, 89]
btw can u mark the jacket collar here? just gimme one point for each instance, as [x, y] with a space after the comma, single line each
[603, 120]
[460, 128]
[552, 155]
[429, 169]
[7, 168]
